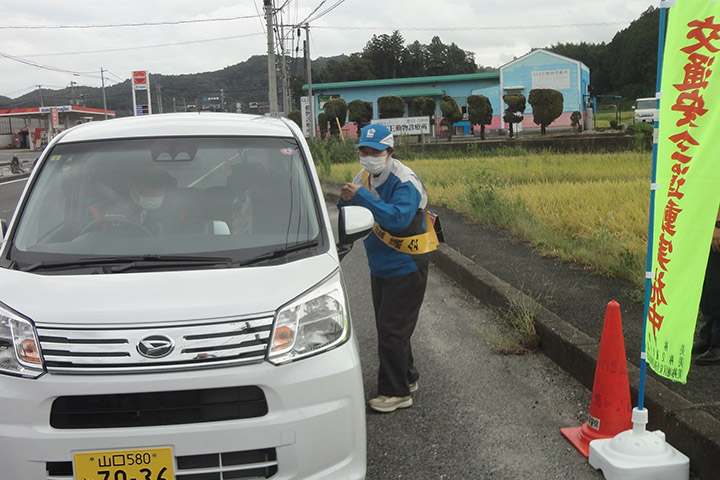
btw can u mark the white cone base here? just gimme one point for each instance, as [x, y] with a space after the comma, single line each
[638, 455]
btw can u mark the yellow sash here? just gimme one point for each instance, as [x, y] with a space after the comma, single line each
[414, 245]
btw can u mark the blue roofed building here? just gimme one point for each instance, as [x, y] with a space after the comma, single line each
[537, 69]
[543, 69]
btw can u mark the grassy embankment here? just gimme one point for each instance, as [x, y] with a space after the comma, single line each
[586, 208]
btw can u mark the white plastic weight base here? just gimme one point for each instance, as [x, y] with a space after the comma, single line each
[638, 455]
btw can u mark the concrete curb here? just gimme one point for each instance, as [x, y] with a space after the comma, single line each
[688, 429]
[14, 176]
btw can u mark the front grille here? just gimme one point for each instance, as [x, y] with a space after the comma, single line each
[99, 349]
[158, 408]
[256, 464]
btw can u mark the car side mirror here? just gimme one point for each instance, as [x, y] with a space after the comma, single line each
[353, 223]
[3, 228]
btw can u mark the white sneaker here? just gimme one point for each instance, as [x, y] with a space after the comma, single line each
[387, 404]
[414, 387]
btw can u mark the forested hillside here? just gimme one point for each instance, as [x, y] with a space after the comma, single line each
[627, 65]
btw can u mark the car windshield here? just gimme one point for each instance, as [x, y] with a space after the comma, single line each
[234, 198]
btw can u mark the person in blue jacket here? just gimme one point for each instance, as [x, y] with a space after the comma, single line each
[397, 257]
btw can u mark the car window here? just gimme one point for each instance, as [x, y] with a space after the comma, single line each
[165, 196]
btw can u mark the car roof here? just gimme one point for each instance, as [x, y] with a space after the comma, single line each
[179, 124]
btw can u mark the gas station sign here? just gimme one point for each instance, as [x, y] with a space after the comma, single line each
[139, 78]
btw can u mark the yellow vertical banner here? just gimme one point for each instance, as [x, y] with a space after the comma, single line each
[688, 183]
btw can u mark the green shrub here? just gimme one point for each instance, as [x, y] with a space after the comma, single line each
[547, 106]
[332, 151]
[451, 113]
[336, 112]
[575, 118]
[360, 113]
[479, 112]
[391, 106]
[643, 135]
[323, 124]
[296, 117]
[516, 107]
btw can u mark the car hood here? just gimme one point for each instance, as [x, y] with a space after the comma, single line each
[156, 297]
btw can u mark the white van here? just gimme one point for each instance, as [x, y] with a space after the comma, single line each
[172, 307]
[644, 110]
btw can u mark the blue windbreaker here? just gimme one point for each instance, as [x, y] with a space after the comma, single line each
[396, 198]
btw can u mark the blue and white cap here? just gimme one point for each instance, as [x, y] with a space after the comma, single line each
[377, 136]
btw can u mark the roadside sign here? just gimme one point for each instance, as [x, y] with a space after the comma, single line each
[305, 115]
[55, 117]
[139, 79]
[406, 125]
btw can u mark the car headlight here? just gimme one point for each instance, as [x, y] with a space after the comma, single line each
[19, 346]
[315, 322]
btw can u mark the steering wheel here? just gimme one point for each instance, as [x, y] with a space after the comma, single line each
[115, 222]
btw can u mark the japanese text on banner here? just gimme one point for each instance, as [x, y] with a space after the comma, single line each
[688, 175]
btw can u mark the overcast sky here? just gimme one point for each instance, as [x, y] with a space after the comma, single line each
[191, 36]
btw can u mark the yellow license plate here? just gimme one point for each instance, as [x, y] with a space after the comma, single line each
[136, 464]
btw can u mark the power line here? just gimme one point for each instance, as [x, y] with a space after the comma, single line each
[116, 76]
[122, 25]
[329, 9]
[312, 13]
[454, 29]
[46, 67]
[140, 47]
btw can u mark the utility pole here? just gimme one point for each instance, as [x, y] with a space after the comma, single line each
[159, 94]
[272, 80]
[72, 88]
[284, 74]
[308, 75]
[42, 101]
[222, 100]
[102, 78]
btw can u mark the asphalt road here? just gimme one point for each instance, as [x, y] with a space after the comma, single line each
[477, 414]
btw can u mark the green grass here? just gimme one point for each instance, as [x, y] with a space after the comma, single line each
[519, 336]
[604, 117]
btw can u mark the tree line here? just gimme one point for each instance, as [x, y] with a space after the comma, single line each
[387, 56]
[627, 65]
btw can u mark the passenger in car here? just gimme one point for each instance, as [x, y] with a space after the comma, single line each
[145, 208]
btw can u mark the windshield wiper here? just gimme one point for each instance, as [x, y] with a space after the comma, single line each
[127, 262]
[152, 261]
[276, 254]
[78, 262]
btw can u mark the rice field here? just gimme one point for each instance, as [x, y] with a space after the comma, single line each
[587, 208]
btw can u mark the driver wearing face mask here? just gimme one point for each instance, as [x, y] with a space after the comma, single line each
[144, 206]
[148, 191]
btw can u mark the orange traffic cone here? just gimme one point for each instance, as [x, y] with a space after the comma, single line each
[610, 408]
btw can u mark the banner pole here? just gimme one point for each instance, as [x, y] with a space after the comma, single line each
[653, 188]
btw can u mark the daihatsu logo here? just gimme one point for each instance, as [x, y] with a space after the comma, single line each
[155, 346]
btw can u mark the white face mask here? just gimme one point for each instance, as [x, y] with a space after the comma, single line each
[150, 203]
[374, 165]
